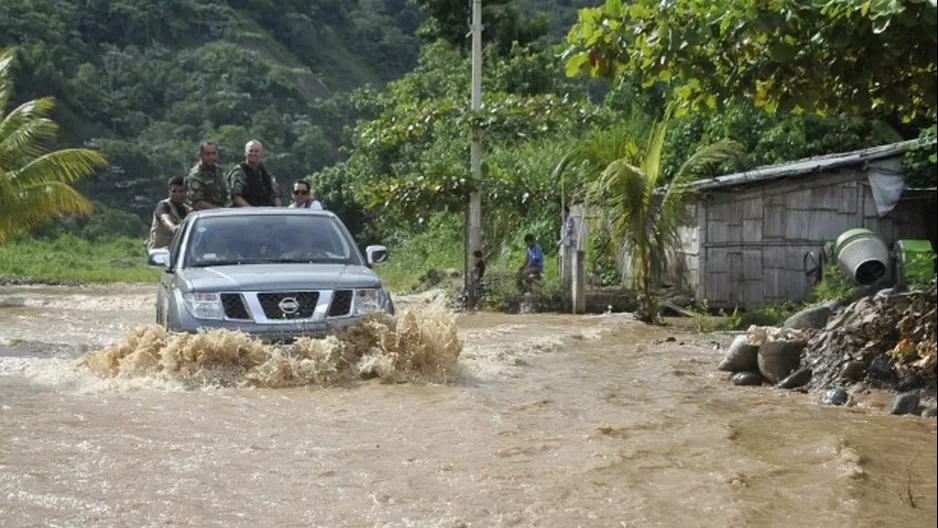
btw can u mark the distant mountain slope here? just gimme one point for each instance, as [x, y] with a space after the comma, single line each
[146, 80]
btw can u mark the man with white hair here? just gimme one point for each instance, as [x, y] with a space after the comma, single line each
[249, 183]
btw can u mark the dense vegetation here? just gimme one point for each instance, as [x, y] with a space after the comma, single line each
[145, 80]
[370, 98]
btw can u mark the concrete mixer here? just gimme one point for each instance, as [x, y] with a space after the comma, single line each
[864, 259]
[862, 256]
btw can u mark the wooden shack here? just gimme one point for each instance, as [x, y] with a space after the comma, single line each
[752, 231]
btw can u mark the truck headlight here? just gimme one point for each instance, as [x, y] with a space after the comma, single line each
[368, 301]
[204, 305]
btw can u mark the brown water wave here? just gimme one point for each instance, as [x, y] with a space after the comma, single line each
[419, 344]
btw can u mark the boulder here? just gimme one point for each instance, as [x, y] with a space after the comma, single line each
[835, 397]
[812, 318]
[747, 379]
[798, 378]
[741, 356]
[853, 371]
[882, 372]
[906, 403]
[910, 382]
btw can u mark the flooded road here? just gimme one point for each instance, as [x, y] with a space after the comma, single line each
[550, 421]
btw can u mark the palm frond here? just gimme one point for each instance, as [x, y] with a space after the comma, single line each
[24, 113]
[706, 156]
[651, 160]
[677, 193]
[27, 207]
[6, 76]
[22, 145]
[23, 129]
[66, 166]
[604, 147]
[651, 167]
[562, 165]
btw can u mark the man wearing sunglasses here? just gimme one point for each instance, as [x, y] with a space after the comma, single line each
[302, 198]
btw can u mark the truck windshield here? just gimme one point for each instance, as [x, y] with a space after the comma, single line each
[268, 239]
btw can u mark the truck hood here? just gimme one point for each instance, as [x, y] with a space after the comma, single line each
[279, 277]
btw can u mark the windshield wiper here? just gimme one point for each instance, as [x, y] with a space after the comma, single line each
[210, 264]
[295, 260]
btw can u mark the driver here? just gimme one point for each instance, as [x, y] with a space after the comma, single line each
[214, 246]
[306, 244]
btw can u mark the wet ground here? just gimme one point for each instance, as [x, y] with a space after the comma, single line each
[551, 421]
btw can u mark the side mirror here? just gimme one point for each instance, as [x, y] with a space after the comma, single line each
[375, 254]
[158, 257]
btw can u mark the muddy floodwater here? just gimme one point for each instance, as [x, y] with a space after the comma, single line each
[549, 420]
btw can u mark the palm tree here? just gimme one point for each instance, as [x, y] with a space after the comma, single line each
[34, 182]
[646, 217]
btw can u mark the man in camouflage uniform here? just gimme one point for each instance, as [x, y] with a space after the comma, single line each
[249, 183]
[206, 181]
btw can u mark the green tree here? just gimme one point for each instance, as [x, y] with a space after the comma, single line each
[813, 55]
[504, 25]
[34, 182]
[645, 214]
[412, 157]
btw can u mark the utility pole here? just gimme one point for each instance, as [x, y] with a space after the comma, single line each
[474, 218]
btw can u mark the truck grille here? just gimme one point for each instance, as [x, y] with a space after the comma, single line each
[341, 303]
[233, 304]
[303, 307]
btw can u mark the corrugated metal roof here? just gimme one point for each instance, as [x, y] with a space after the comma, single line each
[804, 166]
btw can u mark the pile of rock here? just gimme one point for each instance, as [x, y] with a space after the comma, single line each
[885, 341]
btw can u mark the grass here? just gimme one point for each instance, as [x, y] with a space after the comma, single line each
[741, 319]
[69, 258]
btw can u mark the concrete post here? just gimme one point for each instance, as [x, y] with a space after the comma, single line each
[566, 275]
[578, 282]
[474, 218]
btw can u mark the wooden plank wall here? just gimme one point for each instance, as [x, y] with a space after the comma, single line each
[754, 241]
[683, 264]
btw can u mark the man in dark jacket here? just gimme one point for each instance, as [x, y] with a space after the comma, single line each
[249, 183]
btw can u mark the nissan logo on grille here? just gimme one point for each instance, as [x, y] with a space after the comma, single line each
[289, 305]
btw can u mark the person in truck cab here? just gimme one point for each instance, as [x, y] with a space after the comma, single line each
[167, 216]
[249, 183]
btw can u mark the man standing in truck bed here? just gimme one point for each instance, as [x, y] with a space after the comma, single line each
[206, 181]
[249, 183]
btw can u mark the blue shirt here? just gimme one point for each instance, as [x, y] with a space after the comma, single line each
[536, 258]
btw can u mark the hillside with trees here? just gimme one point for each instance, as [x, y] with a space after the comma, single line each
[144, 81]
[369, 99]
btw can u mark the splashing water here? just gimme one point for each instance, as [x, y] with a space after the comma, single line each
[417, 345]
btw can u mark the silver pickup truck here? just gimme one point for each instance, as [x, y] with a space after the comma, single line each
[275, 273]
